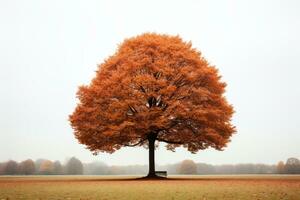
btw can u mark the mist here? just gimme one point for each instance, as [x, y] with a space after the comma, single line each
[50, 48]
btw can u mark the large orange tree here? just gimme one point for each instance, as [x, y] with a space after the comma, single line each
[154, 88]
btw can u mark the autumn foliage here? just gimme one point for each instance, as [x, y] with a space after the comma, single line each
[154, 88]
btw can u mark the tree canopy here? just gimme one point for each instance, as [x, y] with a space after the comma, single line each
[74, 166]
[27, 167]
[187, 167]
[154, 86]
[292, 166]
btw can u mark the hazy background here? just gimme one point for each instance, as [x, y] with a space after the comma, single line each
[49, 48]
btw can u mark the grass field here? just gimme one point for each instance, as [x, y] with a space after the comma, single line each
[124, 187]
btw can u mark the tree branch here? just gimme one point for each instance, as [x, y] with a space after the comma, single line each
[169, 142]
[133, 145]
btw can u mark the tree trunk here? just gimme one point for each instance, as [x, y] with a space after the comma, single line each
[151, 142]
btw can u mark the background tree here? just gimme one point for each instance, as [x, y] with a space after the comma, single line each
[27, 167]
[154, 88]
[38, 163]
[187, 167]
[11, 167]
[204, 168]
[2, 168]
[95, 168]
[46, 167]
[74, 166]
[292, 166]
[280, 168]
[57, 168]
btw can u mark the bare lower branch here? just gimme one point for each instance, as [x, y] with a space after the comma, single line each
[136, 144]
[169, 142]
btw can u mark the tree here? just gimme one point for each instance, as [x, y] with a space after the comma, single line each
[27, 167]
[11, 167]
[2, 168]
[154, 88]
[57, 168]
[187, 167]
[74, 166]
[38, 163]
[280, 168]
[292, 166]
[46, 167]
[95, 168]
[204, 168]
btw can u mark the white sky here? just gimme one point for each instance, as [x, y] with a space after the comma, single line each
[49, 48]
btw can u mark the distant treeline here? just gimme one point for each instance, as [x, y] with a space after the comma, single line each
[41, 167]
[74, 166]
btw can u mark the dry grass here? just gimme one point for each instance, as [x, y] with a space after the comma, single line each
[125, 187]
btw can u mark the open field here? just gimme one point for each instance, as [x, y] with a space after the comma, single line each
[177, 187]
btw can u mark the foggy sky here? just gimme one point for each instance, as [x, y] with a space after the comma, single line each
[49, 48]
